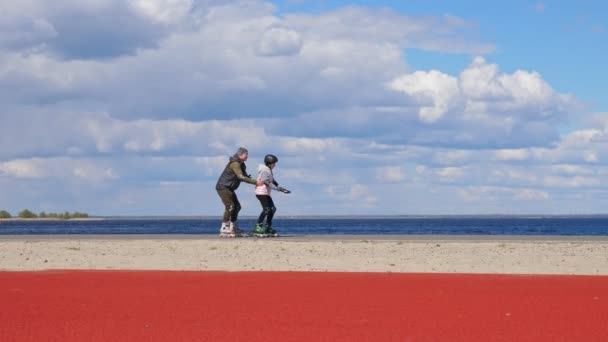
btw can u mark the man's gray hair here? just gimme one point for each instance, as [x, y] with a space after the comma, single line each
[241, 151]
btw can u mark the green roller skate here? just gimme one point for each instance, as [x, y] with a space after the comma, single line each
[269, 231]
[259, 231]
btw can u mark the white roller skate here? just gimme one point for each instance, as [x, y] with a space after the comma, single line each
[231, 230]
[238, 231]
[226, 230]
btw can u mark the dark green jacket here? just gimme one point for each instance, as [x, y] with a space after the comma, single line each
[234, 173]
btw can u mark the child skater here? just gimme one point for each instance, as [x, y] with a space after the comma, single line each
[262, 192]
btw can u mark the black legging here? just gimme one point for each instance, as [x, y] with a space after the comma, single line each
[268, 209]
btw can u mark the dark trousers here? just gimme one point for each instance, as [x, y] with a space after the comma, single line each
[232, 206]
[268, 209]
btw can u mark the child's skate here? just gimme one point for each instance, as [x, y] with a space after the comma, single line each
[270, 232]
[259, 231]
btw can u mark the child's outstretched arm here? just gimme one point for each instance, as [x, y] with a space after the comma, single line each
[274, 185]
[283, 190]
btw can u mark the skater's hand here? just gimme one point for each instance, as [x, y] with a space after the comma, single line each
[260, 181]
[283, 190]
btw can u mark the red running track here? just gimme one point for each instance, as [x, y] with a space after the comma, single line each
[93, 306]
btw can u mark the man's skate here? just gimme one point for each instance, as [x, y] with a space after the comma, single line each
[238, 231]
[226, 231]
[231, 230]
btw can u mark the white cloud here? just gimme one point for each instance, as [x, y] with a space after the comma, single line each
[483, 81]
[531, 195]
[478, 193]
[356, 195]
[165, 11]
[93, 174]
[484, 93]
[368, 24]
[152, 111]
[591, 157]
[483, 107]
[439, 89]
[597, 120]
[91, 133]
[58, 168]
[83, 29]
[277, 41]
[24, 31]
[453, 157]
[450, 174]
[513, 176]
[489, 193]
[584, 138]
[307, 145]
[390, 174]
[23, 168]
[571, 182]
[571, 169]
[511, 154]
[188, 72]
[211, 165]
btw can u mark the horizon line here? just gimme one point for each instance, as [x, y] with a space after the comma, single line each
[358, 216]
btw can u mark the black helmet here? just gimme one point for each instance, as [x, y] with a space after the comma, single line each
[270, 159]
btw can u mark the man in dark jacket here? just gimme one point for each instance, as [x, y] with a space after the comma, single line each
[234, 173]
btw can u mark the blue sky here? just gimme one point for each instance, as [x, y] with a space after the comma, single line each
[565, 41]
[132, 107]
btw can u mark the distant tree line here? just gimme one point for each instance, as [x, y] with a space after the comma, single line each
[28, 214]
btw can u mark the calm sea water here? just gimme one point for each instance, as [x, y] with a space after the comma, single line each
[327, 226]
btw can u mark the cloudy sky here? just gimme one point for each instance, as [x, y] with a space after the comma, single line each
[132, 107]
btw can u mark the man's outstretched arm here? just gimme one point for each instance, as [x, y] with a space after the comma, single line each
[236, 167]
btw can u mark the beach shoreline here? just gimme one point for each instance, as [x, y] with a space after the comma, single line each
[319, 237]
[50, 219]
[587, 255]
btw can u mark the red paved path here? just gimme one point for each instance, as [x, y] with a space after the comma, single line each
[70, 306]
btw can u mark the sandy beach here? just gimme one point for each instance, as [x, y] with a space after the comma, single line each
[437, 254]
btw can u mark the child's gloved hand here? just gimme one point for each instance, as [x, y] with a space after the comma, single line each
[283, 190]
